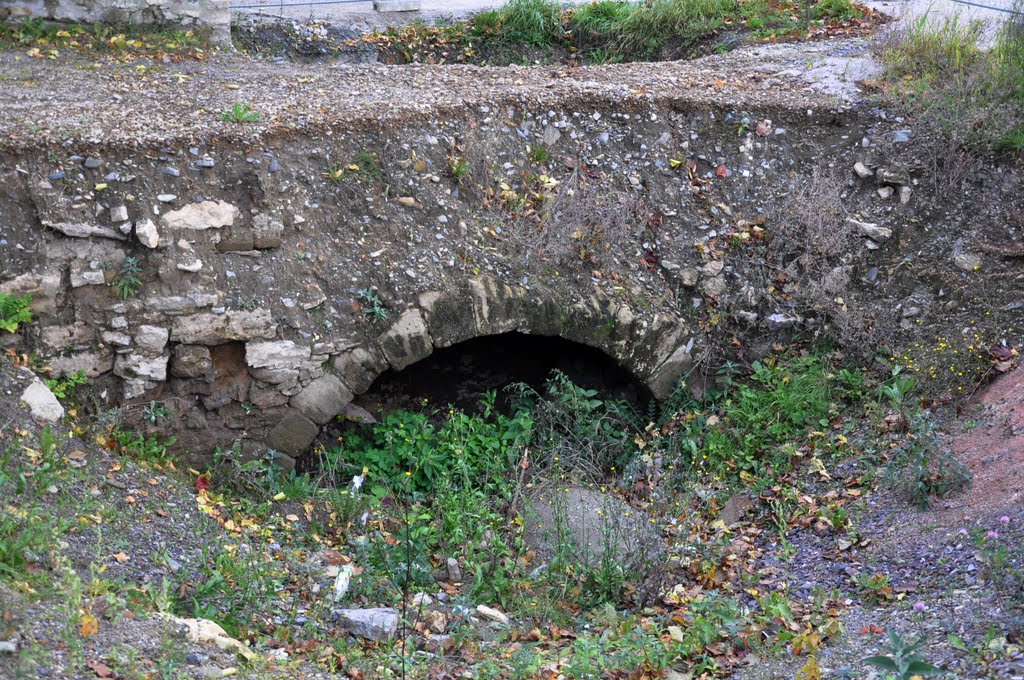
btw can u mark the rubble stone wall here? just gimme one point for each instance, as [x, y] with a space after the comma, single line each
[249, 320]
[207, 15]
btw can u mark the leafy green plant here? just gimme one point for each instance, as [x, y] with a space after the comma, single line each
[14, 311]
[924, 468]
[154, 412]
[876, 587]
[239, 113]
[65, 387]
[902, 658]
[458, 167]
[126, 282]
[148, 448]
[374, 307]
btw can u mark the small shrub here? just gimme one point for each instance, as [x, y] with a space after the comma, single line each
[374, 307]
[902, 658]
[239, 113]
[14, 311]
[923, 468]
[149, 448]
[127, 280]
[65, 387]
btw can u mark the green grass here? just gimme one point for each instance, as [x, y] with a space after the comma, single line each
[945, 69]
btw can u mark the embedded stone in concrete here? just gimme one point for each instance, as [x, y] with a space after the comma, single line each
[93, 363]
[151, 339]
[44, 289]
[147, 233]
[294, 434]
[214, 329]
[407, 341]
[139, 366]
[275, 355]
[191, 361]
[266, 231]
[202, 216]
[174, 305]
[78, 334]
[83, 230]
[359, 367]
[41, 402]
[322, 399]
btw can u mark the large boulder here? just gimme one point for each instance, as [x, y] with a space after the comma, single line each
[582, 527]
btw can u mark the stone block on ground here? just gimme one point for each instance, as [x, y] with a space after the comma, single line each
[581, 525]
[41, 402]
[377, 624]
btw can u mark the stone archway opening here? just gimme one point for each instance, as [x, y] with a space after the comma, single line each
[459, 375]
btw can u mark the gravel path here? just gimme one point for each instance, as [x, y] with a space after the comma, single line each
[145, 102]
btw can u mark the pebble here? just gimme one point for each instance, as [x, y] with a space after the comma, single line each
[204, 163]
[92, 163]
[901, 136]
[274, 165]
[168, 170]
[57, 175]
[166, 198]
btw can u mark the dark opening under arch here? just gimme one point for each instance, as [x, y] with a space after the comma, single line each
[460, 374]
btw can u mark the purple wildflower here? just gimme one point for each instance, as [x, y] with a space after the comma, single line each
[993, 534]
[919, 606]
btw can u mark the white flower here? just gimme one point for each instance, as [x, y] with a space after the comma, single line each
[357, 482]
[366, 516]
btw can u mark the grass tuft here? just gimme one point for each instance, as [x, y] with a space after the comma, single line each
[962, 77]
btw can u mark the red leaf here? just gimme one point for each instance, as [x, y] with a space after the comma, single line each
[101, 670]
[202, 483]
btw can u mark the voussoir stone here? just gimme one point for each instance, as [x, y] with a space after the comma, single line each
[200, 216]
[322, 399]
[214, 329]
[407, 341]
[664, 380]
[294, 434]
[360, 366]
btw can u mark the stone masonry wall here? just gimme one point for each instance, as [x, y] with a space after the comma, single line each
[250, 322]
[206, 15]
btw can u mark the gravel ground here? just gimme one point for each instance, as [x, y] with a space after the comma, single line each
[146, 103]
